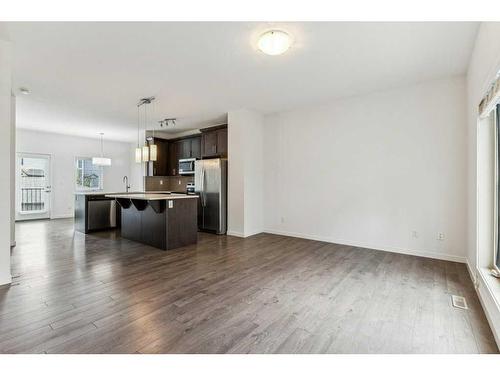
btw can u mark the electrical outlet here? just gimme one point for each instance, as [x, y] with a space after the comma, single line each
[161, 182]
[282, 220]
[180, 182]
[170, 204]
[414, 234]
[440, 236]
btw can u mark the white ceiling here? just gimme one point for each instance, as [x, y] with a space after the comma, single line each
[87, 77]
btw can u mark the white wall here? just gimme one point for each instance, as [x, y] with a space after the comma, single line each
[5, 160]
[137, 171]
[370, 170]
[245, 175]
[63, 150]
[483, 67]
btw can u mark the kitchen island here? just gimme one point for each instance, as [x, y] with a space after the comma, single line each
[165, 221]
[95, 212]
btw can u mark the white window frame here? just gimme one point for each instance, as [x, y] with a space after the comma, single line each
[496, 212]
[101, 177]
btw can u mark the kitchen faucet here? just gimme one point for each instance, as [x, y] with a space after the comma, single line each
[125, 180]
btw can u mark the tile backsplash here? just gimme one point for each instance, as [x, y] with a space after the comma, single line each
[167, 183]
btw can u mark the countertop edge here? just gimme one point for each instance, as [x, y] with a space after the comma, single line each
[151, 197]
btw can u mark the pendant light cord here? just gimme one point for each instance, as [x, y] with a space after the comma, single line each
[152, 122]
[138, 124]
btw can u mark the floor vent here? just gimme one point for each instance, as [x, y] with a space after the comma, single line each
[459, 302]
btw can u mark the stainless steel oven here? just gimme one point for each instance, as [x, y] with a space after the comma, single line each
[186, 166]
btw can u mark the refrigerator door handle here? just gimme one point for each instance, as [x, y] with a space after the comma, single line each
[202, 184]
[204, 197]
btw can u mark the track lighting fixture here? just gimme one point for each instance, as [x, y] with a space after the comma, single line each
[167, 122]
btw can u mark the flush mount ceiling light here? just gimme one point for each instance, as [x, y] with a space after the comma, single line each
[274, 42]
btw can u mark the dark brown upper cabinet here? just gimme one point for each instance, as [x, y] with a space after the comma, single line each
[214, 142]
[160, 166]
[196, 147]
[222, 142]
[170, 151]
[209, 144]
[184, 148]
[189, 147]
[173, 159]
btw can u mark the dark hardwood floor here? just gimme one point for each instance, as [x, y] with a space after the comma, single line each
[76, 293]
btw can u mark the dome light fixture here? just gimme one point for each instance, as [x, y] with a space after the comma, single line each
[274, 42]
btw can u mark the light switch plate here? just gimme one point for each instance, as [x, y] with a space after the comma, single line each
[170, 204]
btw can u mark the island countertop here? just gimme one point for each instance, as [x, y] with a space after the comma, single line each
[152, 196]
[97, 192]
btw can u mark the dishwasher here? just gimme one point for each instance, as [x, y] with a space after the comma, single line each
[101, 213]
[95, 212]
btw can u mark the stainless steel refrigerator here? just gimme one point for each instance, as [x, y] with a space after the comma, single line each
[210, 183]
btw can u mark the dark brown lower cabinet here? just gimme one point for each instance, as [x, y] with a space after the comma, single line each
[165, 224]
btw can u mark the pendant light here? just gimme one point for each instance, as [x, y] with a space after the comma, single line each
[102, 161]
[142, 153]
[153, 149]
[145, 147]
[138, 151]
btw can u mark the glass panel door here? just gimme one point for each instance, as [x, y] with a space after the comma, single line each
[32, 186]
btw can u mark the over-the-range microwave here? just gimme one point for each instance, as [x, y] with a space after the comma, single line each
[186, 166]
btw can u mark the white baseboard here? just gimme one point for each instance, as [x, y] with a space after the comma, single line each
[472, 274]
[64, 216]
[425, 254]
[242, 235]
[5, 280]
[253, 233]
[235, 234]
